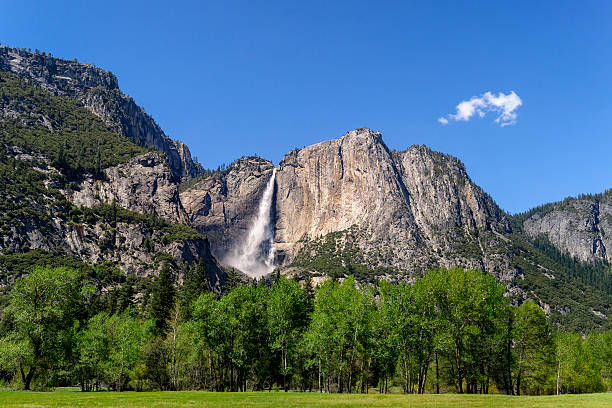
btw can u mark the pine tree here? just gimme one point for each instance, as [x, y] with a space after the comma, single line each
[125, 295]
[195, 285]
[233, 280]
[162, 300]
[309, 292]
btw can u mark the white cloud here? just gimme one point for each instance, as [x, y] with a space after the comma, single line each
[504, 105]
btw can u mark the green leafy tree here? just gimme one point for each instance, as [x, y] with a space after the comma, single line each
[339, 339]
[43, 307]
[600, 347]
[472, 306]
[126, 294]
[286, 309]
[534, 347]
[93, 352]
[577, 370]
[156, 358]
[126, 336]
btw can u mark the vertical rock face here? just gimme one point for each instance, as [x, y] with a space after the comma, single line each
[191, 168]
[413, 202]
[224, 204]
[99, 92]
[408, 210]
[144, 184]
[580, 227]
[443, 199]
[334, 185]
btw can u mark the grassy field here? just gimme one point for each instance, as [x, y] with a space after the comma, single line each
[285, 400]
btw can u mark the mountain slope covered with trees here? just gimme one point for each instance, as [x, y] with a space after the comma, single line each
[51, 150]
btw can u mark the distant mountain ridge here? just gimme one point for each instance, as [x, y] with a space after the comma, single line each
[580, 226]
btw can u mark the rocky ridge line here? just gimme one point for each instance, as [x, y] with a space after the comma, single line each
[98, 91]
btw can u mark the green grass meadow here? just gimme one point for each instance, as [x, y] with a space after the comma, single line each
[291, 399]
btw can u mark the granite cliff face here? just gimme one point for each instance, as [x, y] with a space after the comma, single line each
[144, 184]
[133, 219]
[407, 210]
[99, 92]
[580, 227]
[223, 205]
[413, 207]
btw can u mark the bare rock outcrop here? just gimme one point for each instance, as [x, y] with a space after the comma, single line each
[144, 184]
[138, 241]
[224, 204]
[336, 184]
[580, 227]
[417, 204]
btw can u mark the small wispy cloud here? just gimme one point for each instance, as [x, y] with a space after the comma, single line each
[504, 105]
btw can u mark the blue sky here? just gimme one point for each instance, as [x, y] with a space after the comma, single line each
[236, 78]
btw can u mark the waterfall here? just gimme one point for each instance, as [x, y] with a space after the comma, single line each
[255, 255]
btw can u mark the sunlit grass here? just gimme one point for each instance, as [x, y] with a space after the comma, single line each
[285, 400]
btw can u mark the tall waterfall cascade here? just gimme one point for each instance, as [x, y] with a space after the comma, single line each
[255, 254]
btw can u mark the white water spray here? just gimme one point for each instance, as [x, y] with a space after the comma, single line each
[255, 254]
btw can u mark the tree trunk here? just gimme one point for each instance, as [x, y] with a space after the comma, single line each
[459, 376]
[437, 376]
[285, 370]
[423, 378]
[518, 377]
[320, 389]
[558, 374]
[27, 378]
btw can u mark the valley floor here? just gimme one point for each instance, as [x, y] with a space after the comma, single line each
[75, 399]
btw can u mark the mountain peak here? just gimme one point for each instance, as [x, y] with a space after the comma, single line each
[98, 91]
[363, 134]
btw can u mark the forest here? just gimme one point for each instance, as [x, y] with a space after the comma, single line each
[452, 331]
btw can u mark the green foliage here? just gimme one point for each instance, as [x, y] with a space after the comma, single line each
[577, 368]
[595, 274]
[58, 127]
[599, 345]
[450, 330]
[535, 351]
[20, 264]
[195, 284]
[472, 310]
[43, 308]
[340, 333]
[25, 200]
[573, 289]
[287, 306]
[113, 214]
[162, 301]
[93, 346]
[109, 348]
[233, 333]
[337, 255]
